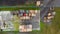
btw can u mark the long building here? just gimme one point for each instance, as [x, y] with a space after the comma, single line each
[15, 2]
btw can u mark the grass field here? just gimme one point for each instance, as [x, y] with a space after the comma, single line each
[16, 23]
[12, 8]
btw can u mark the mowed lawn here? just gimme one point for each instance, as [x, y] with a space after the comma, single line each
[13, 8]
[16, 23]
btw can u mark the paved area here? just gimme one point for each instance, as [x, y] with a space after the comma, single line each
[57, 3]
[14, 2]
[36, 21]
[46, 8]
[9, 25]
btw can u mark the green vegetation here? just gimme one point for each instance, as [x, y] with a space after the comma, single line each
[12, 8]
[16, 23]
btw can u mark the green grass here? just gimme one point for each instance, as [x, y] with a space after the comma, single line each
[16, 8]
[16, 23]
